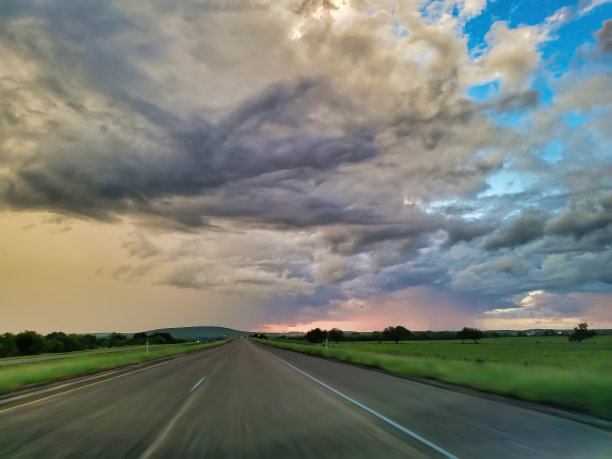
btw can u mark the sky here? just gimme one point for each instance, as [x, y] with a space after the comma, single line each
[282, 165]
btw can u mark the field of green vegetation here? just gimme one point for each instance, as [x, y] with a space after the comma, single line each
[548, 370]
[68, 355]
[25, 374]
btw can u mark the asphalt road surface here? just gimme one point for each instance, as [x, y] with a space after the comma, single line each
[247, 400]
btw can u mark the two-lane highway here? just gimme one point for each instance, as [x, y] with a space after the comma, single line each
[247, 400]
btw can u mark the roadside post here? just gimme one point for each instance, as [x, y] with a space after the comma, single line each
[147, 348]
[326, 339]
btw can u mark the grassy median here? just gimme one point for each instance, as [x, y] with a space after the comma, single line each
[26, 374]
[545, 370]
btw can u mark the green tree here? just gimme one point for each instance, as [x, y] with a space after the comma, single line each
[167, 337]
[70, 342]
[335, 334]
[117, 337]
[29, 343]
[581, 332]
[396, 334]
[316, 335]
[8, 348]
[73, 343]
[54, 345]
[139, 338]
[470, 333]
[89, 341]
[117, 340]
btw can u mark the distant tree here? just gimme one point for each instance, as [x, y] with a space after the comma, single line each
[56, 335]
[316, 335]
[581, 332]
[53, 345]
[335, 334]
[139, 338]
[470, 333]
[69, 343]
[8, 348]
[443, 335]
[396, 334]
[377, 336]
[162, 338]
[424, 335]
[115, 337]
[521, 334]
[116, 340]
[72, 343]
[549, 333]
[89, 341]
[29, 343]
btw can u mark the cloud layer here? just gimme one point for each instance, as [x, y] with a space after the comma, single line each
[314, 153]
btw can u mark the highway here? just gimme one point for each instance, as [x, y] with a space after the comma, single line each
[245, 400]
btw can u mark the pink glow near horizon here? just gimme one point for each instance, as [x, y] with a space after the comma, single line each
[416, 308]
[423, 308]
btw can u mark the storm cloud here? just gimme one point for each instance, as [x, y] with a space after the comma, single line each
[312, 152]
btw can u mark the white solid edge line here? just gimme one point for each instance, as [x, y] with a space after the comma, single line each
[371, 411]
[197, 384]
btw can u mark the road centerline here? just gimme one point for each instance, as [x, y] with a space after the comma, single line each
[197, 384]
[371, 411]
[5, 410]
[163, 435]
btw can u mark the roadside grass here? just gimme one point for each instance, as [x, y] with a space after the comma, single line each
[549, 351]
[582, 384]
[71, 354]
[13, 377]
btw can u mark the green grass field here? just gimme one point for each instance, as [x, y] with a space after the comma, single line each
[25, 374]
[548, 370]
[62, 355]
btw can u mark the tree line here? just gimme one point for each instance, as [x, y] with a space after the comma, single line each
[392, 333]
[31, 343]
[399, 333]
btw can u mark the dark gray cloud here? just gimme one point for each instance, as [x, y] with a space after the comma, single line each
[303, 131]
[411, 230]
[462, 230]
[604, 35]
[524, 228]
[195, 162]
[582, 217]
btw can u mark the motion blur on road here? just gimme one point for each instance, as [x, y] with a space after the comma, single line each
[247, 400]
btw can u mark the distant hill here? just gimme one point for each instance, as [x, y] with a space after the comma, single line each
[191, 333]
